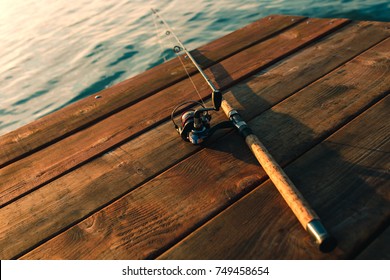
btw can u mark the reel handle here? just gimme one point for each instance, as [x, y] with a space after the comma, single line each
[216, 97]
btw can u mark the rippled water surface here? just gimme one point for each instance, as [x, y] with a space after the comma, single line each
[55, 52]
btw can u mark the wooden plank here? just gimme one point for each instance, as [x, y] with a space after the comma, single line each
[311, 64]
[80, 147]
[143, 164]
[379, 249]
[77, 116]
[344, 178]
[129, 228]
[275, 48]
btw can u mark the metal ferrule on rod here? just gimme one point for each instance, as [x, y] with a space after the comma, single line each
[324, 240]
[239, 123]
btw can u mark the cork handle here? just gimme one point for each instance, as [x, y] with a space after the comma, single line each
[302, 210]
[287, 189]
[289, 192]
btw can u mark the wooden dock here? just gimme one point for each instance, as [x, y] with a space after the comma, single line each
[109, 178]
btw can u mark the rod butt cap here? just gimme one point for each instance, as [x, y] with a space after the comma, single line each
[326, 243]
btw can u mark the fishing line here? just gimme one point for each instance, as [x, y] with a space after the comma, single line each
[177, 50]
[195, 123]
[189, 76]
[159, 38]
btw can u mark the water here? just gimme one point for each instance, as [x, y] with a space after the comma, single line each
[53, 53]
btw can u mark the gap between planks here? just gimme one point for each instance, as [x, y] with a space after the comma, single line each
[80, 229]
[240, 232]
[379, 248]
[186, 146]
[67, 154]
[84, 113]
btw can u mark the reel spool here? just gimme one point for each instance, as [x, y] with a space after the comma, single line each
[195, 124]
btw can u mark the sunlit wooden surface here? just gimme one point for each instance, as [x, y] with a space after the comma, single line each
[109, 178]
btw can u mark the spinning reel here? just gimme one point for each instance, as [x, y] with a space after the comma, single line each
[195, 124]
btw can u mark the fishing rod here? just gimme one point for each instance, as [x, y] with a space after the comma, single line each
[197, 123]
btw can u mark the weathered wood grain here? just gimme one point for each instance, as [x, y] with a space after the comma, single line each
[296, 72]
[344, 177]
[133, 228]
[275, 48]
[142, 163]
[77, 116]
[379, 249]
[81, 146]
